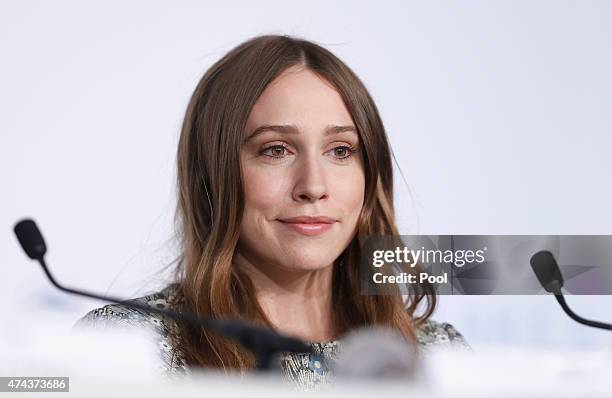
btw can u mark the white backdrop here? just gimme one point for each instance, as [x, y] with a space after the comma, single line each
[499, 114]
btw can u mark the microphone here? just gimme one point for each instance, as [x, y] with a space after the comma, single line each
[548, 273]
[264, 343]
[377, 353]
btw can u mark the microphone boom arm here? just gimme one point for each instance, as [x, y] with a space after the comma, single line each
[578, 318]
[263, 342]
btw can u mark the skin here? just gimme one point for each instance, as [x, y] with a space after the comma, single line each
[291, 271]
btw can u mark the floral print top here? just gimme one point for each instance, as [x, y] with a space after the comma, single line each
[307, 371]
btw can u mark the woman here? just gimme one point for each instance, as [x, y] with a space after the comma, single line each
[283, 161]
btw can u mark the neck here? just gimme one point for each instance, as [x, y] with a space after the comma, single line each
[297, 303]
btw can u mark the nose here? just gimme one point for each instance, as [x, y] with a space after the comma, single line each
[310, 182]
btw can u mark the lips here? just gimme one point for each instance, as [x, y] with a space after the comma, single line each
[309, 225]
[309, 220]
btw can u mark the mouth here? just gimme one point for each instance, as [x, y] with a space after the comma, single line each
[307, 225]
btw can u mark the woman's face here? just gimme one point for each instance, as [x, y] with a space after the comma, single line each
[301, 159]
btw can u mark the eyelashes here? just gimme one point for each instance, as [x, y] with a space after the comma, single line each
[278, 151]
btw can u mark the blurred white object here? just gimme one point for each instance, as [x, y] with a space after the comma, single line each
[102, 363]
[520, 372]
[376, 354]
[39, 347]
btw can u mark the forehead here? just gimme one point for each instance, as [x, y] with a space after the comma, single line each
[299, 96]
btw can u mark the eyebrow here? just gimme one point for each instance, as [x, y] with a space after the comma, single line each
[292, 129]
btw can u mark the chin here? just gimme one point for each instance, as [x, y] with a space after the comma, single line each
[310, 263]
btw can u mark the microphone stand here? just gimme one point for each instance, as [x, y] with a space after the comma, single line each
[549, 275]
[264, 343]
[596, 324]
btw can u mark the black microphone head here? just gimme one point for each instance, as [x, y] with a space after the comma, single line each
[30, 238]
[546, 269]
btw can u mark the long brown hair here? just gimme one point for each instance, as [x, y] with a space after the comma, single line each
[211, 200]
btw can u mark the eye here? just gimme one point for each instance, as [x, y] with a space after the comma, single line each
[343, 152]
[276, 151]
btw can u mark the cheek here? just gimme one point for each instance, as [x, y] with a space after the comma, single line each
[350, 190]
[263, 192]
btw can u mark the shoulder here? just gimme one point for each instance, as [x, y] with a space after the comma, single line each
[164, 329]
[433, 333]
[124, 315]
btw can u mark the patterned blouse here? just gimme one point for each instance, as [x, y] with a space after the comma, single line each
[307, 371]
